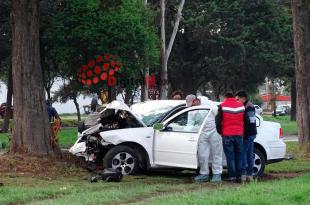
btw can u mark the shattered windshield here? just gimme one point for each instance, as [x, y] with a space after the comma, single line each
[151, 112]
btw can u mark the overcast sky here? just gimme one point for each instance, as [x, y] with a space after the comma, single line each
[61, 108]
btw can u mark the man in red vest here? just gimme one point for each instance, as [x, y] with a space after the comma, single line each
[230, 124]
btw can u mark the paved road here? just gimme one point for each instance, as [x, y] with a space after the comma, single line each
[290, 138]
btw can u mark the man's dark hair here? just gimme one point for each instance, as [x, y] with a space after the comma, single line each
[177, 92]
[229, 95]
[242, 94]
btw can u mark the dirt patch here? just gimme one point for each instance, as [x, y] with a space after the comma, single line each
[278, 176]
[46, 167]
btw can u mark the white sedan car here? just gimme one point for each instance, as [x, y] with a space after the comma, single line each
[160, 134]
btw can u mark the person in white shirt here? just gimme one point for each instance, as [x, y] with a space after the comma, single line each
[209, 146]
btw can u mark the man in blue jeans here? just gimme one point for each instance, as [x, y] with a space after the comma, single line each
[249, 136]
[229, 123]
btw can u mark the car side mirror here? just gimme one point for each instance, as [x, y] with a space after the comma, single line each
[158, 126]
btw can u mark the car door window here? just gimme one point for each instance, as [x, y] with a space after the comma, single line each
[187, 122]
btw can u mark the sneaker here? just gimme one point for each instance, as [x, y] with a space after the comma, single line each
[216, 178]
[243, 178]
[249, 178]
[202, 178]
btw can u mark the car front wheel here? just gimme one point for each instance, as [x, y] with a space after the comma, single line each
[259, 162]
[123, 159]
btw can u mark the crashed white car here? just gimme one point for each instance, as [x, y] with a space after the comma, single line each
[156, 134]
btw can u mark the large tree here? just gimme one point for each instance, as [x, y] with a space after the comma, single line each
[124, 28]
[165, 51]
[31, 130]
[301, 26]
[230, 45]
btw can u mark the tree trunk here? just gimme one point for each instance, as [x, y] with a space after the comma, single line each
[293, 98]
[163, 72]
[128, 94]
[111, 93]
[8, 114]
[48, 92]
[31, 130]
[165, 53]
[77, 106]
[301, 23]
[145, 85]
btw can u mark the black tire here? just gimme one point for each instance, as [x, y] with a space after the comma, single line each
[259, 162]
[116, 158]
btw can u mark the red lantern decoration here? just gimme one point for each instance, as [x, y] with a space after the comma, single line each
[95, 80]
[111, 81]
[83, 76]
[89, 73]
[91, 63]
[103, 76]
[97, 70]
[106, 66]
[88, 82]
[99, 59]
[107, 56]
[111, 72]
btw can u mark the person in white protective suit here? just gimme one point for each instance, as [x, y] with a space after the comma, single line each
[209, 147]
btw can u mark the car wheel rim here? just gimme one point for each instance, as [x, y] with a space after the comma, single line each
[123, 162]
[257, 164]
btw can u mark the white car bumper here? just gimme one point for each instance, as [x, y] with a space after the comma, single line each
[277, 151]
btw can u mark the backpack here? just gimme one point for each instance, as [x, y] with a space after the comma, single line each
[108, 175]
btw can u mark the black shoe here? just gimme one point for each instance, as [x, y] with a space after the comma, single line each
[230, 179]
[238, 180]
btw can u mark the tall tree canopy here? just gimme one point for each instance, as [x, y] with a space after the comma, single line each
[81, 30]
[230, 44]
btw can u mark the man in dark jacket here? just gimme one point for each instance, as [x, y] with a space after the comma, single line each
[230, 124]
[249, 136]
[52, 113]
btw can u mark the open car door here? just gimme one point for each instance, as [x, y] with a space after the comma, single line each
[176, 144]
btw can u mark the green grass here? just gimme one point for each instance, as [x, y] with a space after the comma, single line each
[74, 190]
[67, 121]
[289, 127]
[284, 192]
[67, 137]
[151, 190]
[161, 188]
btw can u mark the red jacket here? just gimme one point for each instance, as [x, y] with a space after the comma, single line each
[230, 120]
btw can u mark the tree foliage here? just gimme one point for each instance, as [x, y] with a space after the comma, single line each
[231, 45]
[82, 29]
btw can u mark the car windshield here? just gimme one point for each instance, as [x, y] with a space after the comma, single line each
[151, 112]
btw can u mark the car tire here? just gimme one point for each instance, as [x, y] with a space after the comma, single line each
[122, 158]
[259, 162]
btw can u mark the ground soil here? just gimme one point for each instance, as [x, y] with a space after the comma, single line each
[68, 165]
[49, 167]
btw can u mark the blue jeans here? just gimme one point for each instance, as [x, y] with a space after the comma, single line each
[233, 151]
[248, 156]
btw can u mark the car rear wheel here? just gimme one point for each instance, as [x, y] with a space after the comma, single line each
[123, 159]
[259, 162]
